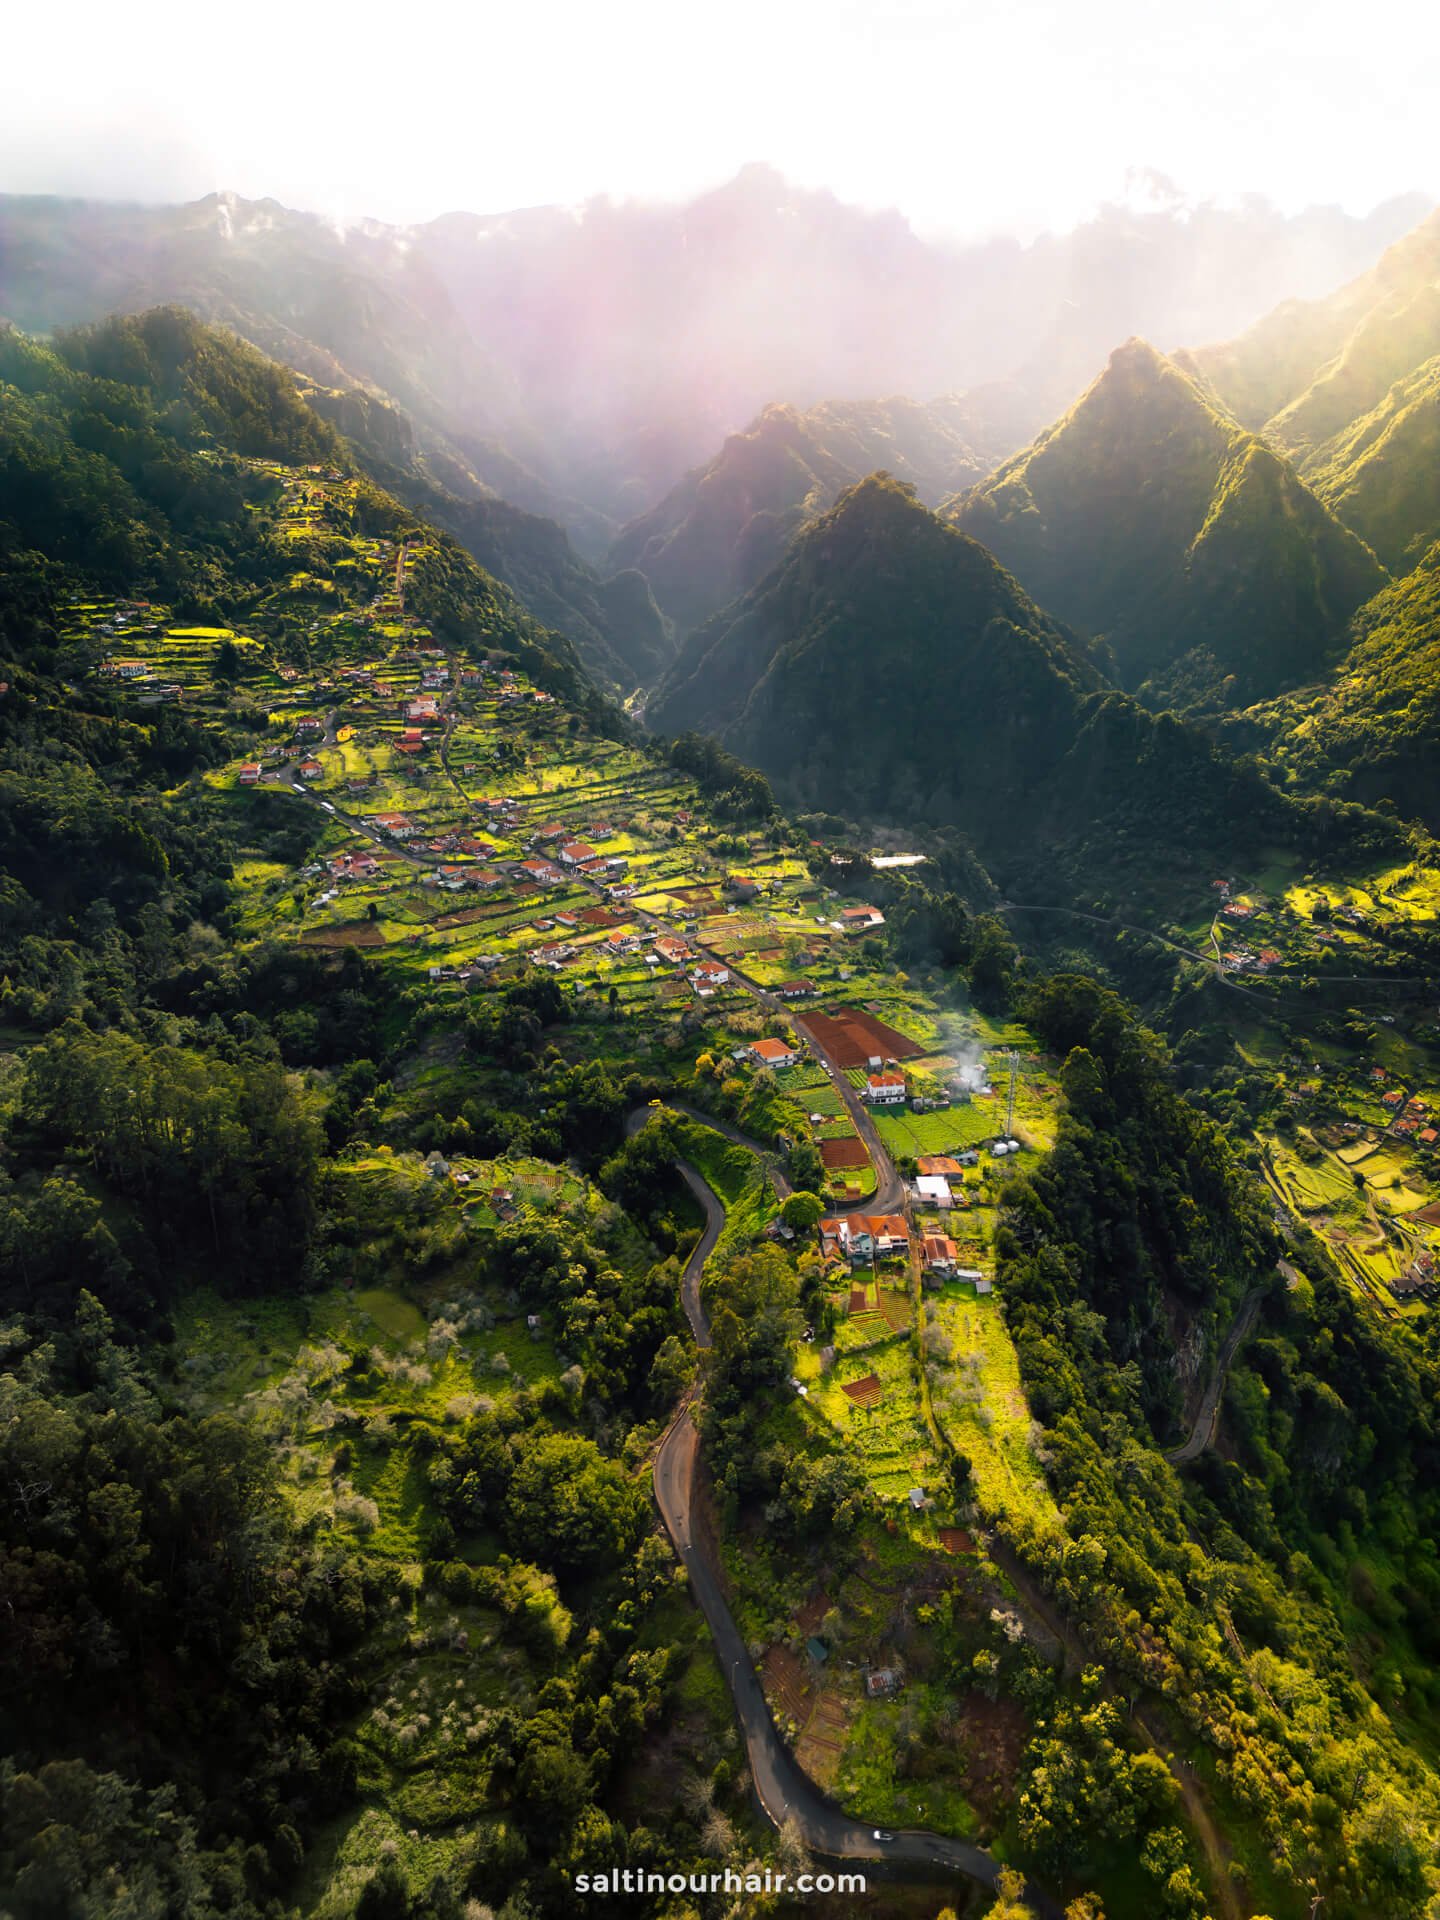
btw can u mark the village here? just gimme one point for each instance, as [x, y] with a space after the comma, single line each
[472, 836]
[1335, 1017]
[462, 830]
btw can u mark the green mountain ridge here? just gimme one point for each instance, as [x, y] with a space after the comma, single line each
[722, 527]
[1372, 732]
[1266, 371]
[616, 628]
[1347, 388]
[115, 472]
[1380, 474]
[1149, 516]
[880, 613]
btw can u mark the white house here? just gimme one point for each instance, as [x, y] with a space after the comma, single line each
[772, 1053]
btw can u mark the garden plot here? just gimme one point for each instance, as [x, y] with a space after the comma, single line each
[909, 1135]
[873, 1403]
[978, 1401]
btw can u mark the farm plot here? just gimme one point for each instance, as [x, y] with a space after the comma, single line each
[853, 1038]
[911, 1134]
[979, 1403]
[871, 1399]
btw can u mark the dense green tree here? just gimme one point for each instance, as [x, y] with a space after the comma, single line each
[571, 1508]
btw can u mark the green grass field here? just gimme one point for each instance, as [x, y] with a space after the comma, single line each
[980, 1405]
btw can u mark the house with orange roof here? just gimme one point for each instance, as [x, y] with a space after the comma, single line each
[773, 1053]
[865, 1236]
[860, 919]
[883, 1089]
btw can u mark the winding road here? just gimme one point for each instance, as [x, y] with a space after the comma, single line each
[784, 1790]
[1202, 1433]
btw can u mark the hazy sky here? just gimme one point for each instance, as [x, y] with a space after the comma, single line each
[969, 115]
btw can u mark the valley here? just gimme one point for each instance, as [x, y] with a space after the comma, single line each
[848, 1271]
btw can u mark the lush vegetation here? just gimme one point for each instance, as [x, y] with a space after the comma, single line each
[1148, 517]
[880, 612]
[340, 1296]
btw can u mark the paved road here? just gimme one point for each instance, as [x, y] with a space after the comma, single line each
[1202, 1433]
[784, 1790]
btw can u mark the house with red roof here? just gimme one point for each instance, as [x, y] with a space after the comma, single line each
[861, 919]
[773, 1053]
[883, 1089]
[938, 1251]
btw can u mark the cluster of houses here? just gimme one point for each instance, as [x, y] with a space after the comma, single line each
[862, 1238]
[1250, 959]
[939, 1181]
[1407, 1117]
[1419, 1280]
[865, 1239]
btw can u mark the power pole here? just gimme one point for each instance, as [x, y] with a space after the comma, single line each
[1010, 1101]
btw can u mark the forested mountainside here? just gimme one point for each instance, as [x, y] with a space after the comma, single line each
[111, 436]
[580, 361]
[726, 524]
[613, 623]
[347, 938]
[880, 614]
[612, 619]
[1346, 386]
[1372, 730]
[1148, 516]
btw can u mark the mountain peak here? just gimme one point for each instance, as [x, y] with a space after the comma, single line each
[1137, 355]
[1148, 516]
[763, 672]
